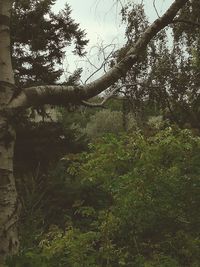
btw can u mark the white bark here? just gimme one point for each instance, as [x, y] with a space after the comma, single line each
[8, 196]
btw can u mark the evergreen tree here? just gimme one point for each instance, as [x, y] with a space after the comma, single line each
[39, 41]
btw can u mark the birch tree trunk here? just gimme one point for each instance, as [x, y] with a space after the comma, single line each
[8, 196]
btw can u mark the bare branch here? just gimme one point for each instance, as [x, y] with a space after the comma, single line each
[61, 95]
[106, 57]
[102, 66]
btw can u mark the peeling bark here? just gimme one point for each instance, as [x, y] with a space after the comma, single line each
[8, 196]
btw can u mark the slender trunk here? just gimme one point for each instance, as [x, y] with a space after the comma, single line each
[8, 196]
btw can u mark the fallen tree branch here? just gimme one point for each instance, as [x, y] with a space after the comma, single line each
[61, 95]
[100, 105]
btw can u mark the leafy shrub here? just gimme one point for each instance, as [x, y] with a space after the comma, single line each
[138, 204]
[153, 183]
[104, 121]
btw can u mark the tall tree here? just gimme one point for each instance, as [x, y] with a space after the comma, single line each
[167, 78]
[39, 40]
[46, 94]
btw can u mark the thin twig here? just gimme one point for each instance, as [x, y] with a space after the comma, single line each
[154, 5]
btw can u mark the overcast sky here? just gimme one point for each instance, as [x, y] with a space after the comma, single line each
[102, 23]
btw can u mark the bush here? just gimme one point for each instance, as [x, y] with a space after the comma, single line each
[104, 121]
[138, 204]
[154, 186]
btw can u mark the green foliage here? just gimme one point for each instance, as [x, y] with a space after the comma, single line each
[70, 247]
[104, 121]
[134, 202]
[74, 120]
[81, 125]
[153, 184]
